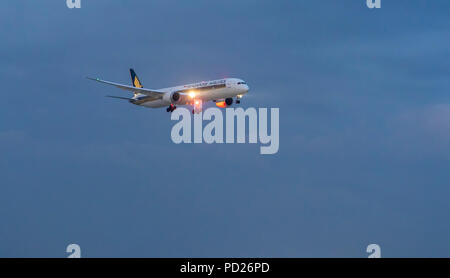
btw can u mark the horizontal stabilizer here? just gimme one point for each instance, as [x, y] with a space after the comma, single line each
[125, 98]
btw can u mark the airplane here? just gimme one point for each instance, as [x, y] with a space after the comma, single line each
[221, 91]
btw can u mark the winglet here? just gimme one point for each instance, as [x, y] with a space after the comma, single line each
[91, 78]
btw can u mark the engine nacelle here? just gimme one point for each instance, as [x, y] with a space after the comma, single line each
[175, 97]
[224, 103]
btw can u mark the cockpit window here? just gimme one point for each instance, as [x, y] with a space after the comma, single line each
[239, 83]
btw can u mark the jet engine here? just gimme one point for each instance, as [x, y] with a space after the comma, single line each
[176, 98]
[224, 103]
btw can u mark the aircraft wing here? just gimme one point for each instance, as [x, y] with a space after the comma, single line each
[148, 92]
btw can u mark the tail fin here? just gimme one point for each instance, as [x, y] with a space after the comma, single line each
[135, 80]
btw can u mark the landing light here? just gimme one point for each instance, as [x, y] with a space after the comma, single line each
[191, 94]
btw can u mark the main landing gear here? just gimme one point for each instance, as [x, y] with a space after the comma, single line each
[171, 108]
[197, 106]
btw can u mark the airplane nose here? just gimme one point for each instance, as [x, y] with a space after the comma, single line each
[246, 88]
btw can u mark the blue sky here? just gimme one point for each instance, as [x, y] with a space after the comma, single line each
[364, 130]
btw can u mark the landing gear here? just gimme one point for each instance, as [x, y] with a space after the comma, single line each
[194, 111]
[238, 101]
[197, 106]
[171, 108]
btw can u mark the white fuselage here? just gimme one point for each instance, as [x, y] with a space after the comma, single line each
[213, 90]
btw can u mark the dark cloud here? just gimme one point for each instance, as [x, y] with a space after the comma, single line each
[364, 129]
